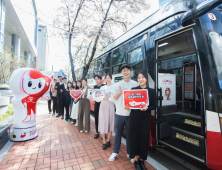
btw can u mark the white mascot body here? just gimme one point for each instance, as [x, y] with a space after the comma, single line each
[28, 86]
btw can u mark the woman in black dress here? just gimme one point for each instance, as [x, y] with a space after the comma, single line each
[139, 125]
[68, 100]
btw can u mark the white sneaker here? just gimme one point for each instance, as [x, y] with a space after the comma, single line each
[113, 157]
[81, 131]
[132, 160]
[76, 124]
[86, 131]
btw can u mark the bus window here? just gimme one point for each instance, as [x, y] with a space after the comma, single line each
[135, 60]
[213, 25]
[118, 56]
[116, 69]
[91, 67]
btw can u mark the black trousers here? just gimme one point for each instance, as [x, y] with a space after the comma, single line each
[49, 105]
[96, 114]
[62, 106]
[54, 106]
[67, 105]
[59, 105]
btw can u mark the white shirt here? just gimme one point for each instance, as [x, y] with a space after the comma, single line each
[109, 89]
[84, 90]
[119, 103]
[60, 83]
[65, 86]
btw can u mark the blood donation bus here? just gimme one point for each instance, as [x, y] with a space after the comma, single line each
[180, 47]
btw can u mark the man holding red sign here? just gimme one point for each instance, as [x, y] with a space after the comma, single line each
[122, 115]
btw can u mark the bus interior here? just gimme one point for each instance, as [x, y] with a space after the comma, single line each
[179, 78]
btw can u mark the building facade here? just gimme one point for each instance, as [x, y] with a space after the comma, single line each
[42, 49]
[59, 73]
[20, 31]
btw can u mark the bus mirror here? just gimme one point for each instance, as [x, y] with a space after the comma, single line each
[199, 10]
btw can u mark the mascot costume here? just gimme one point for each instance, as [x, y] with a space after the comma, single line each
[28, 86]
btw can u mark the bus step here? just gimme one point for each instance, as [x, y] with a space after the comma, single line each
[186, 142]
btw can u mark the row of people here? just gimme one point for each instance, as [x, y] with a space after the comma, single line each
[136, 121]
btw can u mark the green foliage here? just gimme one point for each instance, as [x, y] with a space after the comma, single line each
[8, 113]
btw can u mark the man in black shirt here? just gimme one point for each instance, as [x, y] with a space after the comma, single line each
[98, 80]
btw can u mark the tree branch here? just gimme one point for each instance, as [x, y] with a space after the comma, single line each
[123, 24]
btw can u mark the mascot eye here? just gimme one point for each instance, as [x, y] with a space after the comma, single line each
[40, 84]
[30, 83]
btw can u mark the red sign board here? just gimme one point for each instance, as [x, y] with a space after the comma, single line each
[136, 99]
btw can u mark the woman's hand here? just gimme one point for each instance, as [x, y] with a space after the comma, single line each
[105, 98]
[75, 100]
[144, 109]
[92, 87]
[83, 93]
[127, 107]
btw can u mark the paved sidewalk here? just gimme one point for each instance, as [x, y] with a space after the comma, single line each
[60, 145]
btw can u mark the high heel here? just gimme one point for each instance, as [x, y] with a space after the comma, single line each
[137, 165]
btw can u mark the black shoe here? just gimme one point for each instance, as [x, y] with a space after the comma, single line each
[53, 114]
[67, 120]
[142, 165]
[137, 165]
[96, 136]
[62, 117]
[104, 146]
[108, 144]
[58, 115]
[101, 138]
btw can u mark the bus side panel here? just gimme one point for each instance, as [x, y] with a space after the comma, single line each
[214, 141]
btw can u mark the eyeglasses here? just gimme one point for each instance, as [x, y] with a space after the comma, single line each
[126, 70]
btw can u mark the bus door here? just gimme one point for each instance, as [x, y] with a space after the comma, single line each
[178, 79]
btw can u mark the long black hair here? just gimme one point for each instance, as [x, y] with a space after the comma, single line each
[68, 85]
[85, 80]
[77, 87]
[72, 84]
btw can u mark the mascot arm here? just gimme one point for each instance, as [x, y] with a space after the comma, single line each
[24, 102]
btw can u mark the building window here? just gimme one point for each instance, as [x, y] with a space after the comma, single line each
[2, 24]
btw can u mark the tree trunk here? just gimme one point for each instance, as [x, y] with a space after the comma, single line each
[70, 40]
[71, 59]
[86, 67]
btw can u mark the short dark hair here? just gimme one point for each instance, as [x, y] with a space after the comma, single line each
[55, 79]
[98, 76]
[64, 78]
[143, 73]
[59, 76]
[109, 76]
[124, 66]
